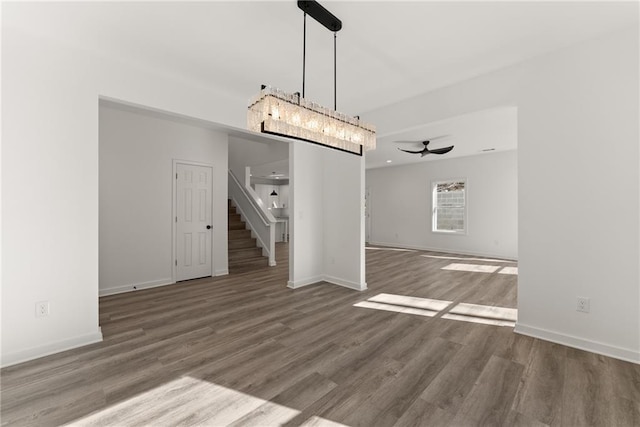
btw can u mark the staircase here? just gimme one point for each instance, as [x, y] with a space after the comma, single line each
[244, 255]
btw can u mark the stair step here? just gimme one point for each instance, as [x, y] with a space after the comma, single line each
[244, 253]
[239, 234]
[247, 268]
[242, 243]
[248, 263]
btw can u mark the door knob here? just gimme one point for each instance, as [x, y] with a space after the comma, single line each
[208, 227]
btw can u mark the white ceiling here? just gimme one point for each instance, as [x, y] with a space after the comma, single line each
[272, 170]
[387, 50]
[470, 134]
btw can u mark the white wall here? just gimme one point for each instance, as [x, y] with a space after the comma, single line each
[588, 245]
[50, 179]
[326, 217]
[136, 162]
[50, 159]
[401, 205]
[306, 220]
[343, 219]
[578, 163]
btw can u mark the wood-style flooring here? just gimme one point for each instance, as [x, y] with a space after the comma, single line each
[245, 350]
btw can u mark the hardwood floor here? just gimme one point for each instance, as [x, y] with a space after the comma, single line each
[245, 350]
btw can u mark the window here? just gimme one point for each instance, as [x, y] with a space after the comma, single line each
[449, 206]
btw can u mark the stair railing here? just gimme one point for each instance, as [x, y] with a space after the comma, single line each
[256, 215]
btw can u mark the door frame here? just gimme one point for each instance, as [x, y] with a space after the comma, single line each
[174, 209]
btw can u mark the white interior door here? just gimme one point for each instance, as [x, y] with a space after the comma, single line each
[193, 221]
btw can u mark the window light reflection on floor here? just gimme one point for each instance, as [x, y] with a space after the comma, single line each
[414, 302]
[481, 320]
[395, 308]
[371, 248]
[474, 268]
[198, 402]
[487, 311]
[467, 259]
[475, 313]
[509, 270]
[405, 304]
[484, 314]
[316, 421]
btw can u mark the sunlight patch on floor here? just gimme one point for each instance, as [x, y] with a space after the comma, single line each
[474, 268]
[194, 401]
[467, 259]
[491, 312]
[480, 320]
[371, 248]
[484, 314]
[476, 313]
[509, 270]
[414, 302]
[395, 308]
[321, 422]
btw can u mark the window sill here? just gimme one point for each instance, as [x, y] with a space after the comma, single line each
[450, 232]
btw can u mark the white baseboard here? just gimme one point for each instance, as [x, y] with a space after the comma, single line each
[51, 348]
[135, 287]
[304, 282]
[150, 284]
[346, 283]
[330, 279]
[446, 251]
[579, 343]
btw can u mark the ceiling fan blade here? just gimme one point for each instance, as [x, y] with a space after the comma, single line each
[412, 152]
[441, 150]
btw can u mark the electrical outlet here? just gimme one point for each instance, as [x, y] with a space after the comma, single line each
[42, 309]
[583, 305]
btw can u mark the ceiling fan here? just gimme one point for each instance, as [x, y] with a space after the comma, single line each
[426, 150]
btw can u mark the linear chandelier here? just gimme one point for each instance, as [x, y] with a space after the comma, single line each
[276, 112]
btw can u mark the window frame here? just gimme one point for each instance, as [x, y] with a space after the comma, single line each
[434, 206]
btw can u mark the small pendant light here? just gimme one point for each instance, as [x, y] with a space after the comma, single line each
[273, 193]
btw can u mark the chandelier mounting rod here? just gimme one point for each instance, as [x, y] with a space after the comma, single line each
[304, 50]
[335, 73]
[332, 23]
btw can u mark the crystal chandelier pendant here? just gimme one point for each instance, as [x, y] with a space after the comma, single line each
[276, 112]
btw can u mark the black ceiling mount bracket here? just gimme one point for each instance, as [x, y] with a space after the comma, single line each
[320, 14]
